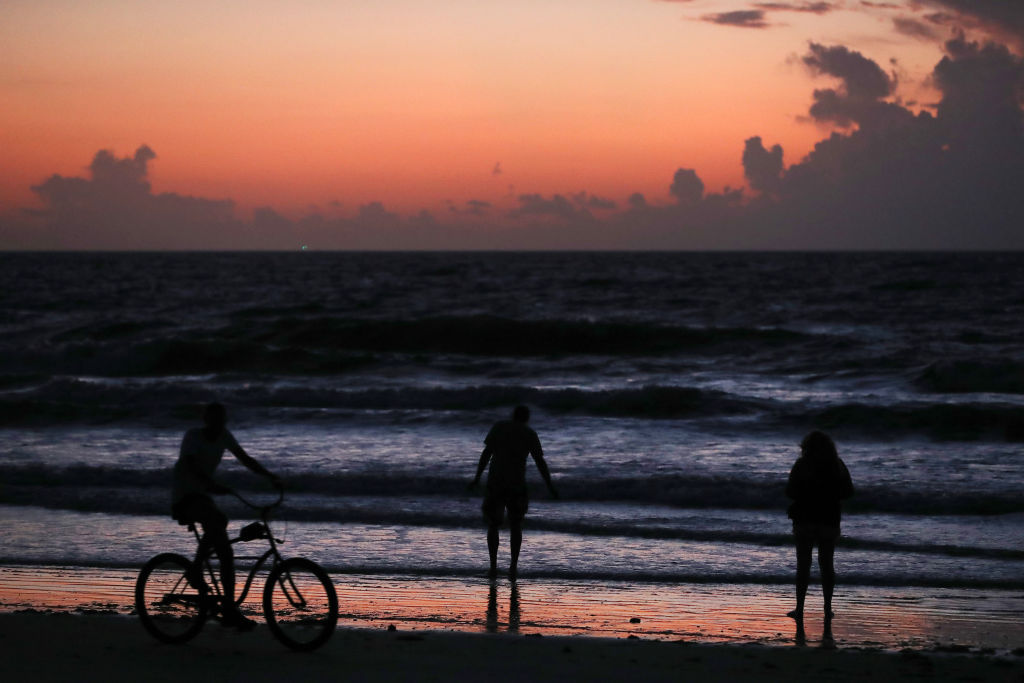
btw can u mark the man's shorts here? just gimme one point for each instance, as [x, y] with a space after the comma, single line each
[498, 500]
[196, 507]
[815, 533]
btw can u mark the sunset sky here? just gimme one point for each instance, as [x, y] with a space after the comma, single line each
[450, 113]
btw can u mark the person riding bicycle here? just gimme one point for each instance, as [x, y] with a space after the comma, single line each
[201, 451]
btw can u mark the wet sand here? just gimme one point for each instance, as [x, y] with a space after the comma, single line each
[884, 618]
[62, 646]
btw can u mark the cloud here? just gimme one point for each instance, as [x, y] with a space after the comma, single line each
[886, 178]
[762, 167]
[742, 18]
[912, 181]
[558, 206]
[687, 187]
[808, 7]
[914, 28]
[999, 19]
[115, 208]
[859, 99]
[593, 201]
[497, 168]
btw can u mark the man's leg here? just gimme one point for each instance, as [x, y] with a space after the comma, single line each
[516, 541]
[516, 512]
[493, 510]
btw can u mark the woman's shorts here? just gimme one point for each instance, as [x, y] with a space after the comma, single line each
[813, 532]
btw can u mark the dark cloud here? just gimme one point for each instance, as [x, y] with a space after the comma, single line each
[590, 201]
[753, 18]
[637, 202]
[497, 169]
[881, 5]
[115, 208]
[860, 97]
[558, 206]
[477, 207]
[915, 181]
[762, 167]
[686, 187]
[914, 28]
[1005, 17]
[809, 7]
[888, 178]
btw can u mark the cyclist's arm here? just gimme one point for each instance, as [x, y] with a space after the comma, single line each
[195, 470]
[251, 463]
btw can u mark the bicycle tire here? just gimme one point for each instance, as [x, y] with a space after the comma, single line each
[300, 604]
[169, 608]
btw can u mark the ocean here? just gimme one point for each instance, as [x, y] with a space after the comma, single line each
[670, 392]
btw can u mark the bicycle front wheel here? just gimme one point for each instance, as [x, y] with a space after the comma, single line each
[300, 604]
[168, 607]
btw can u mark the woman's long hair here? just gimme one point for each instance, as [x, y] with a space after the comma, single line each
[818, 449]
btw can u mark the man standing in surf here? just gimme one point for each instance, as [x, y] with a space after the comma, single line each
[506, 447]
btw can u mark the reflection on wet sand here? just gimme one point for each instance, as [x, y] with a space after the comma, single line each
[891, 618]
[492, 624]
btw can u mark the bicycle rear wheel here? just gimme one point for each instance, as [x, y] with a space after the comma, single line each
[168, 607]
[300, 604]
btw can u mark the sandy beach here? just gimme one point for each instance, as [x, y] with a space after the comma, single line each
[61, 646]
[427, 628]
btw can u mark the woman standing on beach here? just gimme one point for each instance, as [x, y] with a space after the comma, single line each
[818, 482]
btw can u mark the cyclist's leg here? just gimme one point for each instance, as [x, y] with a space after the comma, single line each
[216, 536]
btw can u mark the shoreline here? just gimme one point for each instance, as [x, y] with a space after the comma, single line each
[48, 647]
[883, 619]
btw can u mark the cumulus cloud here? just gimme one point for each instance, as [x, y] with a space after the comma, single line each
[864, 84]
[762, 167]
[886, 177]
[903, 180]
[115, 208]
[687, 187]
[753, 18]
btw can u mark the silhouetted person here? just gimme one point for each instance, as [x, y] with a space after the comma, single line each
[507, 445]
[201, 451]
[817, 483]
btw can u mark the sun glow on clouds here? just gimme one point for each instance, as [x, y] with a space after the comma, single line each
[301, 104]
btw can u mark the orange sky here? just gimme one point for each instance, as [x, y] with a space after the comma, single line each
[295, 105]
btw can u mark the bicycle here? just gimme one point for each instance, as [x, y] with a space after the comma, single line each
[299, 600]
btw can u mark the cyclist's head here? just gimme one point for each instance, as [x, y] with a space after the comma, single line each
[521, 414]
[215, 416]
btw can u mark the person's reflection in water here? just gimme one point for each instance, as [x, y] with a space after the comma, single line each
[492, 608]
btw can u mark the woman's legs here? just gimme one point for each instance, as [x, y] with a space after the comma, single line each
[826, 563]
[804, 546]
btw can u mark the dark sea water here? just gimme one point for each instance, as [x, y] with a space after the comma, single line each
[670, 392]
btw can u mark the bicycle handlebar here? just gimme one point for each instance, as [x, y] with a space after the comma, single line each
[262, 509]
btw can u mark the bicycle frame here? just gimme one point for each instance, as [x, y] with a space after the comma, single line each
[272, 551]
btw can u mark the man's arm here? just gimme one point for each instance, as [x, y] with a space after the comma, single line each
[485, 457]
[538, 457]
